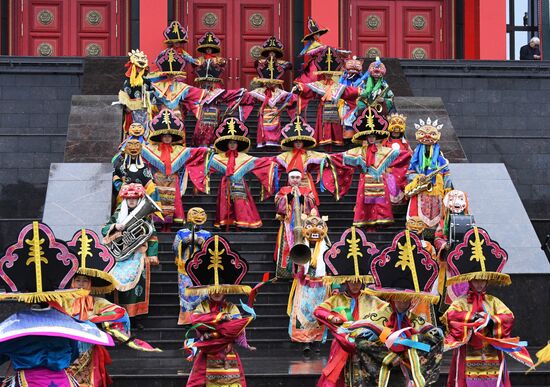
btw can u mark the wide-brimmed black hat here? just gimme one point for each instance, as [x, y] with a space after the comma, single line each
[349, 259]
[94, 260]
[232, 129]
[404, 271]
[313, 29]
[165, 122]
[216, 269]
[175, 33]
[298, 130]
[209, 40]
[369, 122]
[272, 44]
[477, 257]
[38, 267]
[170, 62]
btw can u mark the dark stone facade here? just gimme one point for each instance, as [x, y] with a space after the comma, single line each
[35, 99]
[500, 113]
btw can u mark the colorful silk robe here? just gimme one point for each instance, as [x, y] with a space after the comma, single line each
[209, 113]
[269, 123]
[373, 205]
[168, 163]
[398, 168]
[235, 205]
[371, 92]
[90, 367]
[134, 273]
[137, 101]
[428, 205]
[308, 292]
[342, 363]
[328, 126]
[285, 205]
[185, 244]
[217, 363]
[477, 360]
[304, 160]
[384, 362]
[133, 170]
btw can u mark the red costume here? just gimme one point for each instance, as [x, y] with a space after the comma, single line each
[373, 206]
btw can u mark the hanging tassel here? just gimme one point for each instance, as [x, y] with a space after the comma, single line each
[291, 297]
[543, 356]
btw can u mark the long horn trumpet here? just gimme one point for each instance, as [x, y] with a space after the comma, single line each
[300, 253]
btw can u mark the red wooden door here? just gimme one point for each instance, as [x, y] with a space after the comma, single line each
[70, 27]
[414, 29]
[242, 27]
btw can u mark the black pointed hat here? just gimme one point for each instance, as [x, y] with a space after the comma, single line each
[298, 130]
[329, 62]
[232, 129]
[175, 33]
[165, 122]
[38, 267]
[349, 259]
[216, 269]
[171, 62]
[477, 257]
[209, 40]
[94, 260]
[313, 29]
[405, 270]
[272, 44]
[369, 122]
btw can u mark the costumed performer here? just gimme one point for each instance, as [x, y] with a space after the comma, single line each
[132, 269]
[428, 175]
[347, 262]
[217, 271]
[376, 92]
[373, 205]
[479, 325]
[293, 203]
[187, 241]
[399, 167]
[42, 341]
[408, 350]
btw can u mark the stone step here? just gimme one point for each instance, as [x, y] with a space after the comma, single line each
[278, 319]
[172, 310]
[170, 296]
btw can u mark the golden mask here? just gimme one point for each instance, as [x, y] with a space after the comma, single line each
[196, 216]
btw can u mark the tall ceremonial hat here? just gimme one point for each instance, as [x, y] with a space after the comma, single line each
[170, 62]
[298, 130]
[404, 271]
[349, 259]
[232, 129]
[38, 267]
[165, 122]
[477, 257]
[175, 33]
[209, 40]
[369, 122]
[216, 269]
[329, 62]
[313, 29]
[94, 260]
[272, 44]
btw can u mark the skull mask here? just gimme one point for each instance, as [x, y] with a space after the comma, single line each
[456, 201]
[428, 133]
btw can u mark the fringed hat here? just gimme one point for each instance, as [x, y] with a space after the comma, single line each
[349, 259]
[171, 62]
[404, 271]
[397, 123]
[166, 123]
[216, 269]
[298, 130]
[270, 71]
[272, 44]
[232, 129]
[370, 122]
[175, 33]
[94, 260]
[313, 30]
[38, 267]
[209, 40]
[329, 62]
[377, 68]
[477, 257]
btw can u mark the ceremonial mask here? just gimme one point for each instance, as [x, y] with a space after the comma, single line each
[197, 216]
[456, 201]
[315, 228]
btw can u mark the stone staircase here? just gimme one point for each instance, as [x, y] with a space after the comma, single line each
[277, 361]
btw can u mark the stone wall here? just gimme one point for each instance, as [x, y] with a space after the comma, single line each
[35, 99]
[500, 112]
